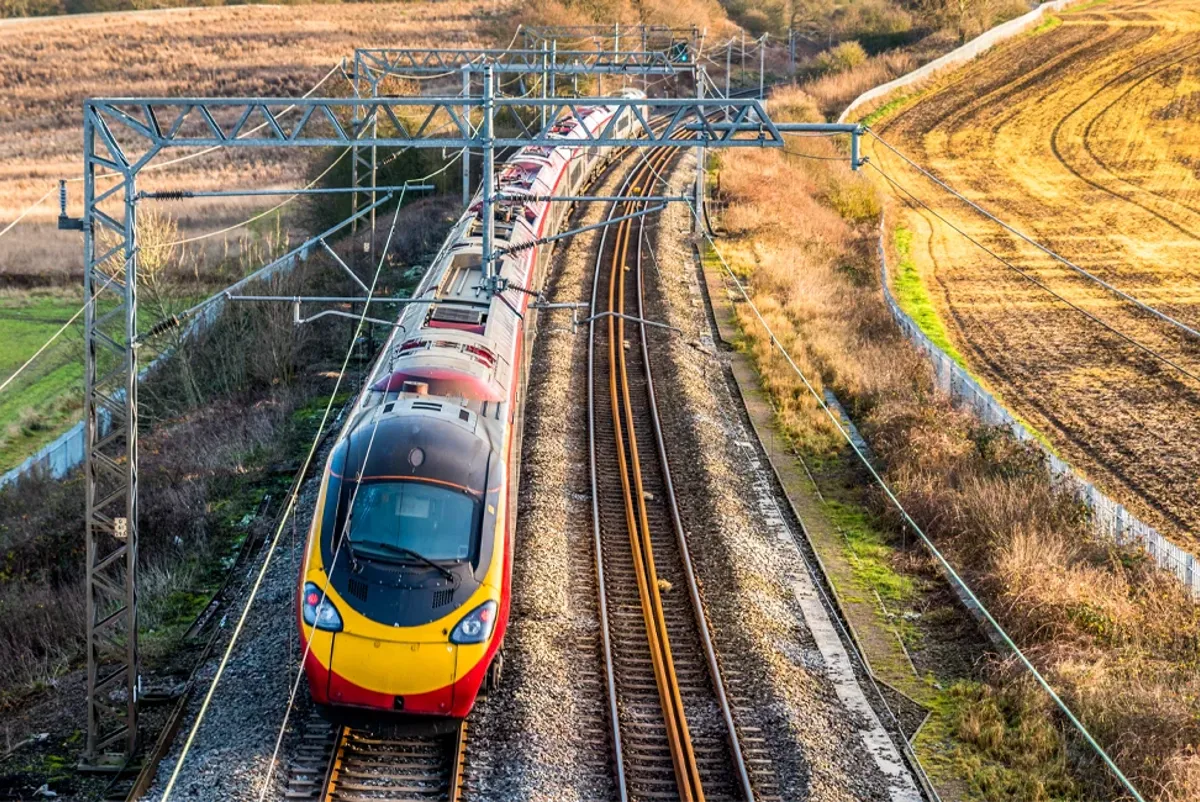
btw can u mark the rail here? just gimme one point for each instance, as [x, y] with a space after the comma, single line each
[347, 764]
[664, 680]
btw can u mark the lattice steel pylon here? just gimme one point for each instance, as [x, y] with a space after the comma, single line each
[110, 463]
[123, 136]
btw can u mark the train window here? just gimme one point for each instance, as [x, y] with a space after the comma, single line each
[333, 491]
[392, 520]
[481, 354]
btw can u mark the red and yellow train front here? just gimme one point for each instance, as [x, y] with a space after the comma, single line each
[404, 597]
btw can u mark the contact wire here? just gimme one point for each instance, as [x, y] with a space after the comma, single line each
[274, 544]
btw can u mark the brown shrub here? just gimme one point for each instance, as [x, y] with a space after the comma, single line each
[835, 90]
[843, 57]
[41, 632]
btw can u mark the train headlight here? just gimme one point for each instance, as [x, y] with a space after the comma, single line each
[319, 611]
[476, 626]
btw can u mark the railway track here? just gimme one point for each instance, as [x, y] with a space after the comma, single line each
[674, 731]
[345, 764]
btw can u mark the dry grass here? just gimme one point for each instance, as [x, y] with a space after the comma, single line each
[1116, 636]
[189, 473]
[832, 92]
[704, 14]
[47, 68]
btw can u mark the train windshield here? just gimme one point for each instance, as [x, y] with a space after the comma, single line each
[438, 523]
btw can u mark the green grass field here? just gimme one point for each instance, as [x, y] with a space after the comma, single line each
[47, 398]
[914, 299]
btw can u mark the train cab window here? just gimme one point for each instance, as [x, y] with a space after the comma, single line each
[397, 520]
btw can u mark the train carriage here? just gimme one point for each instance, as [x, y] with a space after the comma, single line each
[405, 591]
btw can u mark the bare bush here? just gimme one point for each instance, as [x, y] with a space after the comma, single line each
[41, 632]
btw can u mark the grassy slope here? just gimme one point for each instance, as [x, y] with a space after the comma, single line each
[913, 297]
[214, 51]
[34, 412]
[47, 398]
[1096, 617]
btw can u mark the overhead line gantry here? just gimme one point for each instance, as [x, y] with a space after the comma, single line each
[123, 136]
[374, 65]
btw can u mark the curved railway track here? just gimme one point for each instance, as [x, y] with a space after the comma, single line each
[674, 732]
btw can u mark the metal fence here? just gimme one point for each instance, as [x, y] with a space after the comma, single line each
[1108, 518]
[960, 55]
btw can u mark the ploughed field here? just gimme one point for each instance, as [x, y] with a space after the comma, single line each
[1084, 135]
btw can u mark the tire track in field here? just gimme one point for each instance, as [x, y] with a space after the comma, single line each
[1089, 128]
[1058, 154]
[1031, 389]
[976, 70]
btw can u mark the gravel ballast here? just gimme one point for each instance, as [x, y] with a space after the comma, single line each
[232, 747]
[767, 618]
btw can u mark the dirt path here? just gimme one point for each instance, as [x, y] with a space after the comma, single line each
[1085, 136]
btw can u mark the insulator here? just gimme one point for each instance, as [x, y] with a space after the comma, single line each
[165, 324]
[173, 194]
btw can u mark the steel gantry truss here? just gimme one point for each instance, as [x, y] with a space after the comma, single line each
[376, 63]
[374, 66]
[123, 136]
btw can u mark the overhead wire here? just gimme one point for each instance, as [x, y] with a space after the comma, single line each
[260, 215]
[908, 519]
[210, 234]
[342, 539]
[813, 156]
[1038, 282]
[1145, 307]
[289, 508]
[309, 185]
[163, 164]
[26, 211]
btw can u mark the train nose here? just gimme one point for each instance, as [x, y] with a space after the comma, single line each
[419, 676]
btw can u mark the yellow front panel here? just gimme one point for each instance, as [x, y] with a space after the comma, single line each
[398, 668]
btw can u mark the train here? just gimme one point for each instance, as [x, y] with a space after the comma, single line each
[404, 594]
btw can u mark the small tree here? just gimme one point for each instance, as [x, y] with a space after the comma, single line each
[159, 250]
[845, 56]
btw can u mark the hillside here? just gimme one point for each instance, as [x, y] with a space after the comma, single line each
[48, 66]
[1085, 135]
